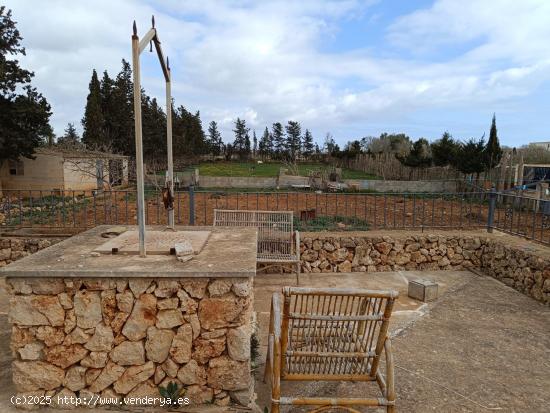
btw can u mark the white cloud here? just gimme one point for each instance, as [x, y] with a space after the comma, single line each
[265, 61]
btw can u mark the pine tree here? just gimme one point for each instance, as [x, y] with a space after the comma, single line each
[293, 137]
[307, 144]
[188, 135]
[278, 139]
[215, 142]
[241, 134]
[493, 152]
[444, 150]
[107, 108]
[24, 113]
[92, 122]
[247, 145]
[70, 138]
[470, 157]
[265, 147]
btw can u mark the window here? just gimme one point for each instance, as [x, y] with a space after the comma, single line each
[16, 167]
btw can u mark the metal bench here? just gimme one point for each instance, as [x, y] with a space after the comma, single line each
[278, 243]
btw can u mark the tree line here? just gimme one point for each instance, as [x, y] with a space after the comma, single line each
[472, 156]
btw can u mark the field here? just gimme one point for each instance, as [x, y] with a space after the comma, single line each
[270, 169]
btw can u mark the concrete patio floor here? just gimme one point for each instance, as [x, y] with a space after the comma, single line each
[480, 347]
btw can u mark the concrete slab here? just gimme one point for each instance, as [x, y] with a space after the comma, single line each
[228, 253]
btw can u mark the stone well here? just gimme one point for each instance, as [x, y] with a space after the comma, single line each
[86, 324]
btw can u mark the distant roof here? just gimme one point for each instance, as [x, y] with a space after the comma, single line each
[77, 153]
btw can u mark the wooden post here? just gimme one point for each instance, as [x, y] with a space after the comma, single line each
[139, 146]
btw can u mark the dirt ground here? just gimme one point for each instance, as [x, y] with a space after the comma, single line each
[372, 210]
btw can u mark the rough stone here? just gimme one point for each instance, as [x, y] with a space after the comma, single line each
[65, 356]
[108, 305]
[238, 343]
[167, 288]
[220, 312]
[168, 303]
[144, 393]
[192, 373]
[95, 360]
[75, 379]
[138, 286]
[87, 307]
[110, 373]
[49, 335]
[199, 394]
[65, 300]
[31, 351]
[142, 317]
[170, 367]
[128, 353]
[77, 336]
[36, 375]
[169, 318]
[241, 289]
[125, 301]
[102, 340]
[182, 344]
[218, 288]
[196, 288]
[34, 310]
[133, 376]
[62, 400]
[187, 304]
[158, 343]
[205, 349]
[227, 374]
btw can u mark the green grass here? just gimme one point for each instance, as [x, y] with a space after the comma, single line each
[270, 169]
[330, 223]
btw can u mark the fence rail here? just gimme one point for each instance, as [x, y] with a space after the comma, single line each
[349, 211]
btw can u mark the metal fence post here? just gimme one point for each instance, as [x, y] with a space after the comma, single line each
[191, 205]
[492, 206]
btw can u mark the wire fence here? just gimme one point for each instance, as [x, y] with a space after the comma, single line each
[514, 214]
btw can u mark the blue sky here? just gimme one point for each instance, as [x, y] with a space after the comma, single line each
[351, 68]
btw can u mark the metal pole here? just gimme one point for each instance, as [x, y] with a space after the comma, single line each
[170, 172]
[492, 205]
[139, 146]
[192, 205]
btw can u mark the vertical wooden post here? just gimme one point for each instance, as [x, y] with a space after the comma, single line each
[170, 172]
[139, 146]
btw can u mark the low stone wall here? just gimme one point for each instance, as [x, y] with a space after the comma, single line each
[12, 249]
[402, 186]
[115, 338]
[237, 182]
[524, 270]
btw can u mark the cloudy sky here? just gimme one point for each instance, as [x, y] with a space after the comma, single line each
[352, 68]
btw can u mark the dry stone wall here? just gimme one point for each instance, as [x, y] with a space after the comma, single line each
[118, 338]
[522, 269]
[12, 249]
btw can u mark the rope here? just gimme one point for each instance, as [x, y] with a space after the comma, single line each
[448, 389]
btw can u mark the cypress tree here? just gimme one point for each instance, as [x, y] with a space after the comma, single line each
[92, 122]
[493, 152]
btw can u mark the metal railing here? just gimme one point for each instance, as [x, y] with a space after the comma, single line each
[465, 210]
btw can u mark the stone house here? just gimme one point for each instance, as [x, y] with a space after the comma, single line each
[65, 169]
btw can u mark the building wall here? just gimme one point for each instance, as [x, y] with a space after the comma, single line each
[80, 174]
[43, 173]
